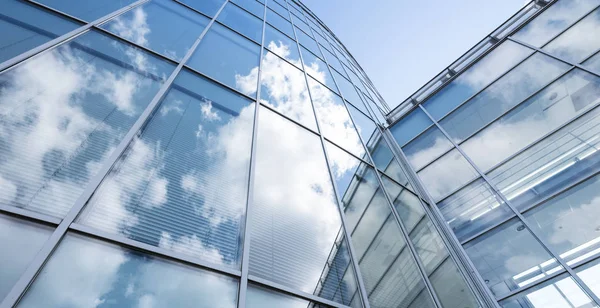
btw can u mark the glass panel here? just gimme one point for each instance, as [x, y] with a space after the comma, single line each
[333, 60]
[509, 91]
[182, 184]
[347, 89]
[384, 160]
[239, 20]
[28, 27]
[295, 222]
[579, 41]
[88, 10]
[427, 147]
[308, 42]
[334, 120]
[569, 223]
[208, 7]
[278, 8]
[252, 6]
[301, 25]
[282, 46]
[593, 63]
[447, 174]
[486, 70]
[473, 209]
[283, 87]
[509, 257]
[427, 241]
[410, 126]
[64, 112]
[558, 292]
[21, 240]
[559, 102]
[554, 20]
[259, 297]
[407, 204]
[161, 25]
[590, 275]
[317, 69]
[450, 287]
[229, 58]
[85, 272]
[365, 126]
[566, 156]
[280, 23]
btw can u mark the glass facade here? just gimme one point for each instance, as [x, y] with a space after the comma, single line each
[233, 153]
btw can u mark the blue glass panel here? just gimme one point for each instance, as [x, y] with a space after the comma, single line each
[447, 174]
[182, 184]
[208, 7]
[308, 42]
[348, 90]
[282, 45]
[280, 23]
[298, 22]
[580, 41]
[85, 272]
[239, 20]
[73, 105]
[278, 8]
[88, 10]
[593, 63]
[161, 25]
[229, 58]
[316, 68]
[259, 297]
[426, 148]
[385, 162]
[252, 6]
[410, 126]
[365, 126]
[27, 27]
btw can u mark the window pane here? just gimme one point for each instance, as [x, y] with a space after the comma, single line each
[385, 162]
[73, 105]
[229, 58]
[317, 69]
[509, 91]
[333, 60]
[163, 26]
[558, 292]
[365, 126]
[509, 257]
[85, 272]
[278, 8]
[427, 147]
[554, 20]
[486, 70]
[182, 184]
[473, 209]
[334, 120]
[347, 89]
[282, 46]
[88, 10]
[593, 63]
[259, 297]
[28, 27]
[569, 222]
[20, 240]
[410, 126]
[298, 22]
[239, 20]
[590, 275]
[306, 41]
[295, 222]
[208, 7]
[283, 87]
[579, 41]
[280, 23]
[447, 174]
[559, 102]
[252, 6]
[451, 288]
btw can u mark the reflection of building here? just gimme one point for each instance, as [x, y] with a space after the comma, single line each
[233, 153]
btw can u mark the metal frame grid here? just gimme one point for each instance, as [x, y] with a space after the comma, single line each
[424, 93]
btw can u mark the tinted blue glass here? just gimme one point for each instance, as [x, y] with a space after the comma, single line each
[182, 185]
[427, 147]
[229, 58]
[27, 27]
[410, 126]
[85, 272]
[333, 60]
[241, 21]
[282, 45]
[259, 297]
[593, 63]
[73, 105]
[252, 6]
[365, 126]
[384, 160]
[88, 10]
[308, 42]
[347, 90]
[579, 41]
[279, 9]
[208, 7]
[280, 23]
[161, 25]
[298, 22]
[316, 68]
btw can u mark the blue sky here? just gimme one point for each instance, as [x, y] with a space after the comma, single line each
[402, 44]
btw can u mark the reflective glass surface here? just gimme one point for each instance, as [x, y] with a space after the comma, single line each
[451, 288]
[259, 297]
[427, 147]
[20, 241]
[182, 184]
[280, 23]
[27, 26]
[160, 25]
[486, 70]
[64, 112]
[282, 45]
[590, 275]
[334, 121]
[208, 7]
[509, 257]
[317, 69]
[332, 60]
[593, 63]
[88, 10]
[410, 126]
[577, 43]
[283, 87]
[570, 95]
[558, 292]
[446, 174]
[295, 220]
[273, 5]
[298, 22]
[251, 6]
[384, 160]
[306, 41]
[229, 58]
[554, 20]
[365, 126]
[348, 90]
[85, 272]
[239, 20]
